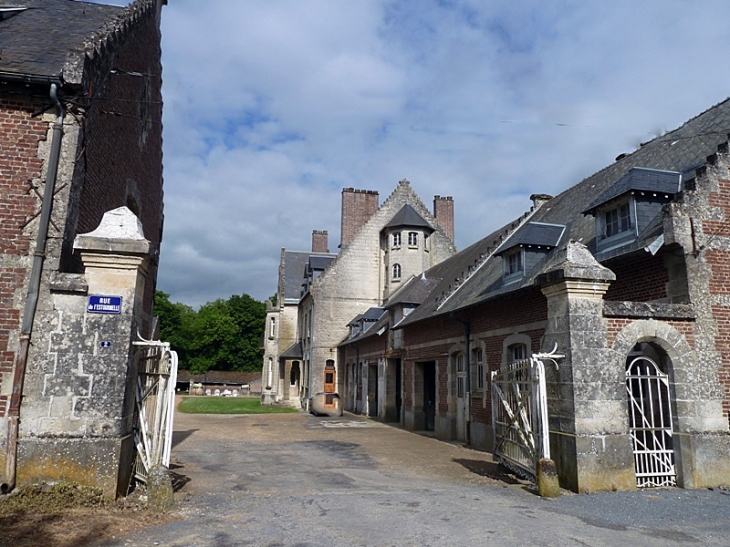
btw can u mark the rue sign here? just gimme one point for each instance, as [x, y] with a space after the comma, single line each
[104, 304]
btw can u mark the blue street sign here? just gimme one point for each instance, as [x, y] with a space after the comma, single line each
[105, 344]
[104, 304]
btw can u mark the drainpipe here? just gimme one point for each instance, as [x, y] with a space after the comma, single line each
[467, 358]
[31, 301]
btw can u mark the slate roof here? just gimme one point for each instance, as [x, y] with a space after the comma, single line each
[683, 150]
[292, 352]
[414, 291]
[648, 180]
[536, 234]
[295, 266]
[37, 42]
[408, 216]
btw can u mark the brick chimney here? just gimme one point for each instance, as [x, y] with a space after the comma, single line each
[320, 241]
[443, 210]
[357, 208]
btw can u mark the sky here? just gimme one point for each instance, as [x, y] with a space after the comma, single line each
[272, 107]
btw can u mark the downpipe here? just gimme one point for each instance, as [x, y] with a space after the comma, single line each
[31, 302]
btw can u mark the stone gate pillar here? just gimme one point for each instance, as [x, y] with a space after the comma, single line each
[586, 397]
[78, 401]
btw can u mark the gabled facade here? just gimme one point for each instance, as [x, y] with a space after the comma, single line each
[282, 368]
[364, 272]
[81, 114]
[625, 275]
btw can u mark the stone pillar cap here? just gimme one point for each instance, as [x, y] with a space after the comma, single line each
[120, 231]
[574, 261]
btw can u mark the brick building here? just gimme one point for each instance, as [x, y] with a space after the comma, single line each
[626, 274]
[80, 112]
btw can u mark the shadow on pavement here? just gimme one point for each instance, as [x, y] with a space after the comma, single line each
[180, 436]
[491, 470]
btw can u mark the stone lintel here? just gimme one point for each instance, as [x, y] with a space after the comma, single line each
[648, 310]
[68, 283]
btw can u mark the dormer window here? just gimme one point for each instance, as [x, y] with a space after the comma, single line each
[526, 247]
[631, 205]
[514, 264]
[396, 239]
[617, 220]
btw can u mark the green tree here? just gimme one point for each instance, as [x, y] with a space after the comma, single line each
[174, 321]
[221, 335]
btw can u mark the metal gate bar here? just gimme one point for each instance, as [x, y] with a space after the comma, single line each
[650, 426]
[519, 413]
[155, 405]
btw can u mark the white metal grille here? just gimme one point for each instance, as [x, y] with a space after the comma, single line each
[157, 376]
[650, 423]
[519, 414]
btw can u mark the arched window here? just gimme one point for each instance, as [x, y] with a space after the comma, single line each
[396, 271]
[272, 328]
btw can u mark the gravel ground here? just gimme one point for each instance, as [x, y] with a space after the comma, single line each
[298, 480]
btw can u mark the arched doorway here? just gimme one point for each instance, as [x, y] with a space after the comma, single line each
[650, 416]
[294, 376]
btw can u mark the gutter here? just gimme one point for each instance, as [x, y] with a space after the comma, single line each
[31, 302]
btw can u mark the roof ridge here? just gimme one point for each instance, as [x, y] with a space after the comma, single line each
[102, 38]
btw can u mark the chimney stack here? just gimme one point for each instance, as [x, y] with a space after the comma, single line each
[538, 200]
[320, 241]
[443, 211]
[357, 208]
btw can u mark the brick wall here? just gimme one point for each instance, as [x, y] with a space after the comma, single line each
[20, 169]
[120, 148]
[639, 278]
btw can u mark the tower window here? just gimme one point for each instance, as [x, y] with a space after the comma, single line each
[413, 239]
[396, 271]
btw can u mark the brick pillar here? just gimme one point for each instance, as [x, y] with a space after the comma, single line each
[443, 211]
[587, 393]
[357, 208]
[78, 400]
[320, 241]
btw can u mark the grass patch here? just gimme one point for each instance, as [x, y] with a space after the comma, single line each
[229, 405]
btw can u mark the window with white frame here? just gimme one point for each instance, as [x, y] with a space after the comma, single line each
[413, 239]
[514, 264]
[477, 364]
[396, 271]
[517, 352]
[460, 375]
[272, 328]
[617, 220]
[396, 239]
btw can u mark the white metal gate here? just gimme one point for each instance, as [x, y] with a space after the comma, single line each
[650, 425]
[155, 400]
[519, 414]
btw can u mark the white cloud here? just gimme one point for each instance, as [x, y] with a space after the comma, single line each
[271, 108]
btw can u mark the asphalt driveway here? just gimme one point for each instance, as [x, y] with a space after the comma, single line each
[298, 480]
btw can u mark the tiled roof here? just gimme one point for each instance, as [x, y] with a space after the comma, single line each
[38, 41]
[408, 216]
[295, 265]
[648, 180]
[682, 150]
[536, 234]
[292, 352]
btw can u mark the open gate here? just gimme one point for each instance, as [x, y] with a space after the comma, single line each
[155, 405]
[519, 414]
[650, 427]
